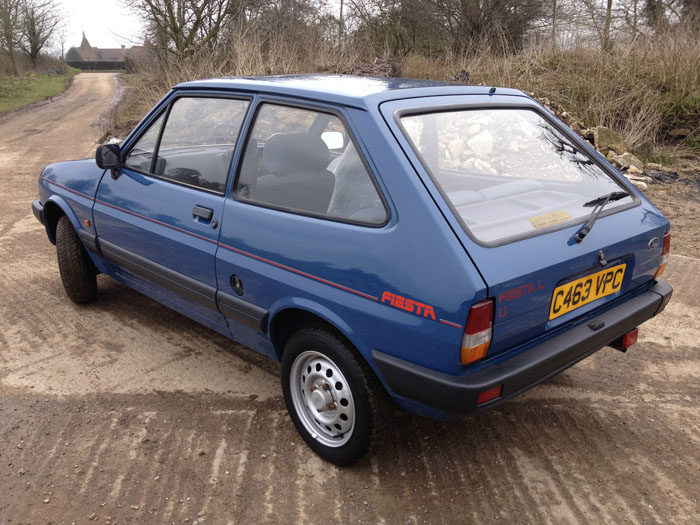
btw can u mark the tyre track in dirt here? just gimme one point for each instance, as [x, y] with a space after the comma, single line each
[125, 411]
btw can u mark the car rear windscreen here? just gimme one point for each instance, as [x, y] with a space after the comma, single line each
[508, 173]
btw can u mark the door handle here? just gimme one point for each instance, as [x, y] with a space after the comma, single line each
[203, 213]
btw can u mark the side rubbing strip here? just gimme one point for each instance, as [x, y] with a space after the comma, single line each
[175, 281]
[242, 311]
[89, 240]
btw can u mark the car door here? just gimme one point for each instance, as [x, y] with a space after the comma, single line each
[295, 207]
[158, 218]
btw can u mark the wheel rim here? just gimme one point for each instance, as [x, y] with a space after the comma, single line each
[322, 399]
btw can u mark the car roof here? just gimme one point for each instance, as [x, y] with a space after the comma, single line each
[357, 91]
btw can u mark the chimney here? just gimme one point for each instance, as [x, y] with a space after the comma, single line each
[123, 46]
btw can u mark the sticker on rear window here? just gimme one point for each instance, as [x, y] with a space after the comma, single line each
[549, 219]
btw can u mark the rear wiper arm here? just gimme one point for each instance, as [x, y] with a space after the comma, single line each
[599, 203]
[608, 197]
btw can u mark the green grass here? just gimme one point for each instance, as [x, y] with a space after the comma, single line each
[18, 92]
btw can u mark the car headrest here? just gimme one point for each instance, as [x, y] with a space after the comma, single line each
[290, 152]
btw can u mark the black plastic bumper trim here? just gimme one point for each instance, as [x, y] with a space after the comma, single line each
[186, 286]
[458, 394]
[38, 210]
[242, 311]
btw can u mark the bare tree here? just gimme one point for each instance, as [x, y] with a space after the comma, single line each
[607, 43]
[655, 12]
[10, 29]
[504, 23]
[631, 12]
[39, 23]
[183, 26]
[603, 18]
[556, 11]
[425, 26]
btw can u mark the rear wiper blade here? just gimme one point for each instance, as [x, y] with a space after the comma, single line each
[599, 203]
[608, 197]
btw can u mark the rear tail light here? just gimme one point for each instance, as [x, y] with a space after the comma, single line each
[478, 332]
[664, 255]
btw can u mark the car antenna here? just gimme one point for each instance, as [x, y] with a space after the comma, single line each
[492, 91]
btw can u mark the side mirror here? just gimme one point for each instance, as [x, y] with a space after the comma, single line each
[108, 157]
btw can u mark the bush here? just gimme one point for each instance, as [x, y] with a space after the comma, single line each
[643, 89]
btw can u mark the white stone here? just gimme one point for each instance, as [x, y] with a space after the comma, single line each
[482, 144]
[455, 147]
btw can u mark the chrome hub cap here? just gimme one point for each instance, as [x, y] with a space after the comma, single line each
[322, 398]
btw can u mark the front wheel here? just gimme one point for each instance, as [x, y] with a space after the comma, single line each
[78, 273]
[329, 397]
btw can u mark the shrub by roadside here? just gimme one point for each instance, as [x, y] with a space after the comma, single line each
[646, 91]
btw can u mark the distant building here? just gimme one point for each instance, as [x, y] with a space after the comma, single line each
[94, 58]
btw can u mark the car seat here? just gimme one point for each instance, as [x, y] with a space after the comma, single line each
[297, 177]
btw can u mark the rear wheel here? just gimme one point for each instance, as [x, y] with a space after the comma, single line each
[78, 273]
[332, 401]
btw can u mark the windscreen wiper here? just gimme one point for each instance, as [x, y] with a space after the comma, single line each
[608, 197]
[599, 203]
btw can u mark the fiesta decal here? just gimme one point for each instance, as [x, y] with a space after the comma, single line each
[410, 305]
[520, 291]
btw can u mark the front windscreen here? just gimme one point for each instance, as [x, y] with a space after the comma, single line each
[507, 172]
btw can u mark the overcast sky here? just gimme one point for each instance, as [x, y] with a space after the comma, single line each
[106, 23]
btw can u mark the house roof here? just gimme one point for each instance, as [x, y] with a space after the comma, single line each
[88, 53]
[112, 54]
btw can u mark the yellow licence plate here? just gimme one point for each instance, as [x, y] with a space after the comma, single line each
[585, 290]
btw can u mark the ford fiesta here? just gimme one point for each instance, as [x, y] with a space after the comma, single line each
[449, 245]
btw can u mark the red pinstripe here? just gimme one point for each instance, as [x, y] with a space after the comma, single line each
[231, 248]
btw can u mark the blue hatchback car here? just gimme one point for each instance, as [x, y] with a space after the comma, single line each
[449, 245]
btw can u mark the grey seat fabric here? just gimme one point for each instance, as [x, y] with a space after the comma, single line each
[297, 177]
[251, 170]
[355, 197]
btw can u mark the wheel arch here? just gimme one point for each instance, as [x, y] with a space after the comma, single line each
[288, 319]
[55, 208]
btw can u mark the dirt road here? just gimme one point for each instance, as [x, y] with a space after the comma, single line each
[124, 411]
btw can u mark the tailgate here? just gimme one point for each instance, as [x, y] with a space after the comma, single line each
[516, 185]
[542, 283]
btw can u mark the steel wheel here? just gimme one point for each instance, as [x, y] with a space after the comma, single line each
[322, 398]
[331, 394]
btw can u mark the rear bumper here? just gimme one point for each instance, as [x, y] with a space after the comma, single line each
[38, 210]
[458, 394]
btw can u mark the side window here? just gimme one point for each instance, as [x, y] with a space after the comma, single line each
[198, 141]
[141, 154]
[288, 164]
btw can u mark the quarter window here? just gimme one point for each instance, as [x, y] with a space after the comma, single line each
[140, 157]
[302, 160]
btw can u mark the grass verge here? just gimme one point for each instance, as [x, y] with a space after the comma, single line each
[132, 106]
[18, 92]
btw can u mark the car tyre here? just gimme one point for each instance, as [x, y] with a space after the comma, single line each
[333, 398]
[78, 272]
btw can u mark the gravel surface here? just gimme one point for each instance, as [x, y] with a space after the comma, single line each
[124, 411]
